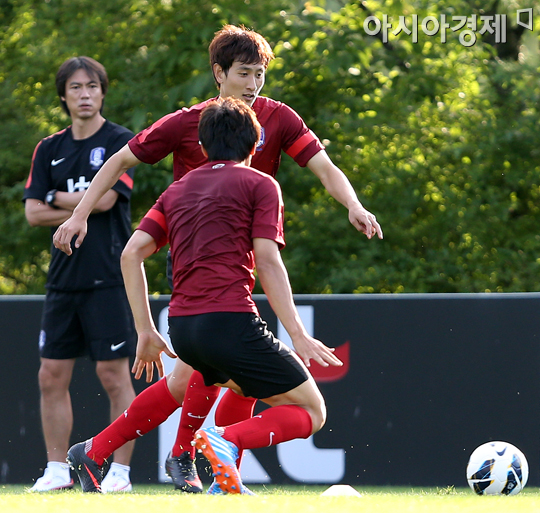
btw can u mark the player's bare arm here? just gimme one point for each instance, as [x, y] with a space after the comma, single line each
[150, 343]
[107, 176]
[275, 282]
[339, 187]
[70, 200]
[39, 213]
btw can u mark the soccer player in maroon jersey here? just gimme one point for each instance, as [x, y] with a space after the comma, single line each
[220, 220]
[239, 59]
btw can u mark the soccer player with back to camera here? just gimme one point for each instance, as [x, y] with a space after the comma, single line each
[221, 220]
[239, 58]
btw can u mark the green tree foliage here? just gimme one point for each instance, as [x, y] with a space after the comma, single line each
[438, 139]
[157, 60]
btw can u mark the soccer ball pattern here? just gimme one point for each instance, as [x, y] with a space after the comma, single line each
[497, 468]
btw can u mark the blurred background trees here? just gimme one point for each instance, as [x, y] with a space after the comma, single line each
[440, 140]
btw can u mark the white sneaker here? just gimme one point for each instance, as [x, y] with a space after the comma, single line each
[116, 481]
[50, 481]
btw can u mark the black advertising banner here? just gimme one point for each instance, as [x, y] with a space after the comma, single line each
[425, 380]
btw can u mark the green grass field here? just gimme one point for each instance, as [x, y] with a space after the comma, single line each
[293, 499]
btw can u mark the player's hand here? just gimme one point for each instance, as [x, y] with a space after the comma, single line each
[150, 346]
[66, 231]
[365, 222]
[309, 348]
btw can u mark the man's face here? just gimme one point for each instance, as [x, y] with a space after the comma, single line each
[84, 96]
[243, 81]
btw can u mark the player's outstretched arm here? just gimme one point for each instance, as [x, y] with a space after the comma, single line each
[339, 187]
[150, 343]
[275, 282]
[106, 177]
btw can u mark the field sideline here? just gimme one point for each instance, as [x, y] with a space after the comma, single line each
[300, 499]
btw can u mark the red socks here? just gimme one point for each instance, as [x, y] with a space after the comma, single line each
[147, 411]
[155, 404]
[271, 427]
[197, 404]
[233, 408]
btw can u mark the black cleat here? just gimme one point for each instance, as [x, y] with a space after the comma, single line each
[183, 472]
[89, 472]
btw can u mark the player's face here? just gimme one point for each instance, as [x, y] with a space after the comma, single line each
[84, 96]
[242, 81]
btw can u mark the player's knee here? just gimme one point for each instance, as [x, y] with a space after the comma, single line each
[52, 379]
[177, 387]
[47, 382]
[113, 377]
[318, 416]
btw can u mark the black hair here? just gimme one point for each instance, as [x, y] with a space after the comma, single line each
[91, 66]
[233, 43]
[228, 130]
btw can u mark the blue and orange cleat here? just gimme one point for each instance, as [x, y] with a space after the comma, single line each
[214, 489]
[222, 455]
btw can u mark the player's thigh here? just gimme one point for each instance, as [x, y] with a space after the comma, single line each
[262, 365]
[190, 337]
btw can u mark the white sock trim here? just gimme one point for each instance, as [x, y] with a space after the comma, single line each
[58, 465]
[60, 469]
[120, 467]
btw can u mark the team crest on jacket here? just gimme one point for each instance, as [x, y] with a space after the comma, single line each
[260, 144]
[97, 156]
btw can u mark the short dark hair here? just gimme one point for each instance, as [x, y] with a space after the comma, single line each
[228, 130]
[91, 66]
[233, 43]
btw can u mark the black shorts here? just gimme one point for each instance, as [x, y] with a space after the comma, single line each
[97, 323]
[237, 346]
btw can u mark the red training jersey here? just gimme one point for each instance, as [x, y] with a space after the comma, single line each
[210, 218]
[177, 133]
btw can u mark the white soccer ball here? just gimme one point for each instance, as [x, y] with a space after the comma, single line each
[497, 468]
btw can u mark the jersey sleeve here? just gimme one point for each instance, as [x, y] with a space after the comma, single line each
[155, 225]
[299, 142]
[268, 212]
[158, 140]
[39, 180]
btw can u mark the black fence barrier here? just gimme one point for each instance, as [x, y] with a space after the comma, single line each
[427, 378]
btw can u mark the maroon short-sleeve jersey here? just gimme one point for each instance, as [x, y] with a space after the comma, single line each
[177, 133]
[210, 218]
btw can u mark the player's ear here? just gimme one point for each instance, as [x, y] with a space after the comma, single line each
[204, 152]
[253, 150]
[219, 73]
